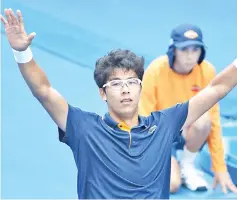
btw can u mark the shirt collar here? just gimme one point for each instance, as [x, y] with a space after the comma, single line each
[113, 124]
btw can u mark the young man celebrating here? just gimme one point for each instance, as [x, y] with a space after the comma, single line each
[175, 78]
[120, 155]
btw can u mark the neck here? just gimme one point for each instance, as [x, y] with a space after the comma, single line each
[131, 121]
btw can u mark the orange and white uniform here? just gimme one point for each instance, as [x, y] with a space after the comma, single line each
[163, 88]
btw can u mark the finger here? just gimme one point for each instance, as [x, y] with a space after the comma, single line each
[13, 17]
[4, 21]
[214, 183]
[7, 14]
[31, 36]
[20, 19]
[224, 189]
[232, 187]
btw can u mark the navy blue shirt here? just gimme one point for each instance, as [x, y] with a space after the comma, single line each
[114, 164]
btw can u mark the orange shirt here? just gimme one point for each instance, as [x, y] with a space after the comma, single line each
[163, 88]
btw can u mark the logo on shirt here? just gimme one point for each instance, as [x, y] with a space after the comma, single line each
[195, 88]
[152, 129]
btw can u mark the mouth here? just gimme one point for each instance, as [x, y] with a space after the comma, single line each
[191, 63]
[127, 100]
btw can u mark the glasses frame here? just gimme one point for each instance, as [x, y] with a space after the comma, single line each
[123, 82]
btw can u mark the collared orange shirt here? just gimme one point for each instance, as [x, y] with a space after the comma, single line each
[163, 88]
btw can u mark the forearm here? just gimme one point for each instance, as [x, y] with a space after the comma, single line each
[219, 87]
[35, 78]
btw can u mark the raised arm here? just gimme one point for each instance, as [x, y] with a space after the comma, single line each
[219, 87]
[34, 76]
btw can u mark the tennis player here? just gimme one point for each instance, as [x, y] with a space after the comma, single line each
[120, 155]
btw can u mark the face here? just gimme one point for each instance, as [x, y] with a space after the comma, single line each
[122, 97]
[186, 59]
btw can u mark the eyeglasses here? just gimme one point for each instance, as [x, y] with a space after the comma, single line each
[118, 84]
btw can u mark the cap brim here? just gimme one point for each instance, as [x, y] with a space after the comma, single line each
[188, 43]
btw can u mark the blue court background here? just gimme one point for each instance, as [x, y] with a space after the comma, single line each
[71, 35]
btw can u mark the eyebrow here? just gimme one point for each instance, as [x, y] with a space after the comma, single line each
[116, 78]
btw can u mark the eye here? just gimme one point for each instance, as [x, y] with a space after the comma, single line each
[133, 81]
[115, 83]
[196, 49]
[191, 49]
[184, 49]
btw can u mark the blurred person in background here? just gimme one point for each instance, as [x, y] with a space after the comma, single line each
[174, 78]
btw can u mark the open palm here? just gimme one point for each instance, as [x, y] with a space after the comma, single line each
[15, 31]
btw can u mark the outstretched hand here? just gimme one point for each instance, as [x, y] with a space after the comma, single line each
[225, 181]
[15, 31]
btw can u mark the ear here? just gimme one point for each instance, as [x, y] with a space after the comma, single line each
[103, 94]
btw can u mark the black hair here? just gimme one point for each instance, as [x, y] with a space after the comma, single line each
[117, 59]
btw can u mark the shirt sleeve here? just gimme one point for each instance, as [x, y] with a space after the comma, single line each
[176, 117]
[77, 121]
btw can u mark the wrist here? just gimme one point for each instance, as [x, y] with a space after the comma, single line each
[23, 56]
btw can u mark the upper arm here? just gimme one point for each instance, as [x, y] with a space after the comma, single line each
[176, 116]
[201, 103]
[148, 99]
[56, 106]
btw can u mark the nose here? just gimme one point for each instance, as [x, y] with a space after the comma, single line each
[125, 89]
[189, 54]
